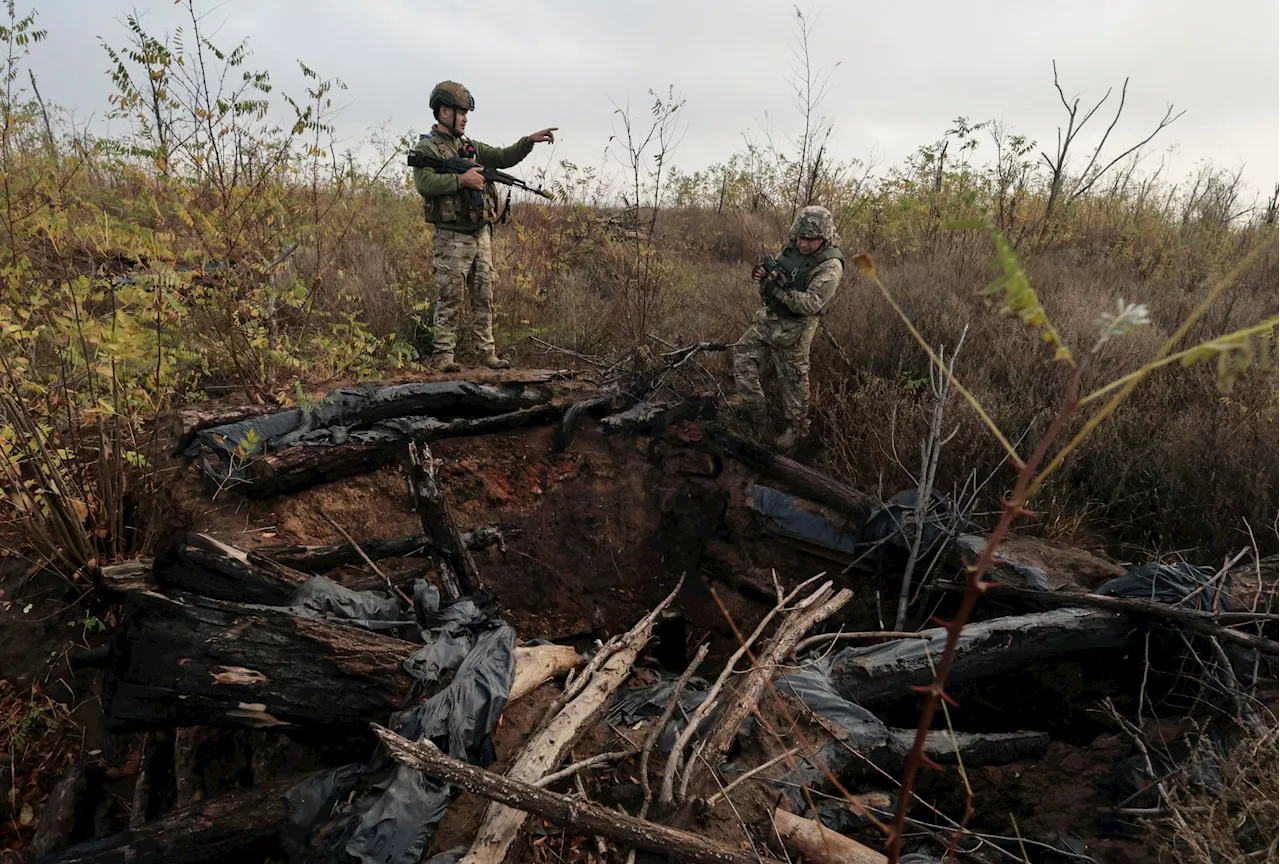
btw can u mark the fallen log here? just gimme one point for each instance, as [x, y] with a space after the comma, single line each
[195, 661]
[583, 816]
[116, 580]
[798, 478]
[454, 564]
[974, 749]
[569, 421]
[58, 815]
[189, 661]
[241, 826]
[314, 559]
[185, 422]
[1209, 623]
[299, 467]
[653, 418]
[544, 750]
[876, 672]
[200, 564]
[819, 844]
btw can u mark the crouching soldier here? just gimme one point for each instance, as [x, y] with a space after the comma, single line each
[462, 238]
[796, 290]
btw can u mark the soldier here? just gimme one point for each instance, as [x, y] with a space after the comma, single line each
[462, 240]
[795, 297]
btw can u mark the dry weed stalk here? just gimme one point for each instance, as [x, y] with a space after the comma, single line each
[1234, 352]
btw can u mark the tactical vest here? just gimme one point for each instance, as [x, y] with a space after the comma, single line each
[452, 209]
[798, 269]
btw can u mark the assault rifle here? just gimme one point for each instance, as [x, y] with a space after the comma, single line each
[458, 165]
[775, 282]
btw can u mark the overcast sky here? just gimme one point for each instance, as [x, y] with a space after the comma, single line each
[906, 69]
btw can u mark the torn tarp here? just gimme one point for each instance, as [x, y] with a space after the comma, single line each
[366, 414]
[384, 813]
[320, 597]
[854, 728]
[798, 519]
[1034, 577]
[1175, 584]
[892, 525]
[633, 704]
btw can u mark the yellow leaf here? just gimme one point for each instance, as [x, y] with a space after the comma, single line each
[82, 512]
[865, 267]
[27, 816]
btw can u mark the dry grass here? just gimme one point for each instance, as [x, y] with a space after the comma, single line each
[1178, 470]
[1232, 818]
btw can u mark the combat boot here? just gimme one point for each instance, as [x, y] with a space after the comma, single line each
[444, 362]
[754, 414]
[787, 441]
[493, 361]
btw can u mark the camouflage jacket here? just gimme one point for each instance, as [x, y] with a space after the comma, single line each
[441, 201]
[814, 281]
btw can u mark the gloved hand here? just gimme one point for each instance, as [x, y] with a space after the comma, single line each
[770, 290]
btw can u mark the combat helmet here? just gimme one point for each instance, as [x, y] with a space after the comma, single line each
[451, 94]
[814, 221]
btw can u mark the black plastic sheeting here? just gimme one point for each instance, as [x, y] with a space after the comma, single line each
[811, 683]
[320, 597]
[384, 813]
[365, 414]
[798, 518]
[631, 705]
[1034, 577]
[892, 525]
[1171, 584]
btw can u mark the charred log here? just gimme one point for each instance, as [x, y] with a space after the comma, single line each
[300, 467]
[315, 559]
[797, 478]
[187, 421]
[237, 827]
[457, 569]
[191, 661]
[866, 675]
[200, 564]
[654, 418]
[569, 421]
[116, 580]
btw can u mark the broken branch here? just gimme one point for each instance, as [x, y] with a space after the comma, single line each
[583, 816]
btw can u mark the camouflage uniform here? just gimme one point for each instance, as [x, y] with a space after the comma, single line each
[461, 243]
[785, 326]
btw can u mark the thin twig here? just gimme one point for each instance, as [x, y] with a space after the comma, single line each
[860, 634]
[930, 453]
[715, 799]
[709, 703]
[583, 764]
[343, 531]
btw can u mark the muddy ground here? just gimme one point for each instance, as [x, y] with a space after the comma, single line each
[601, 534]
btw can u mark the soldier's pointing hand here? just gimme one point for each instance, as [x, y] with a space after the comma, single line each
[542, 135]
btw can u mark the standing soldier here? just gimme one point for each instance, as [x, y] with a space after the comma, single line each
[462, 240]
[796, 294]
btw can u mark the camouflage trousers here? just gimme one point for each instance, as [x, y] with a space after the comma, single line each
[787, 340]
[463, 266]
